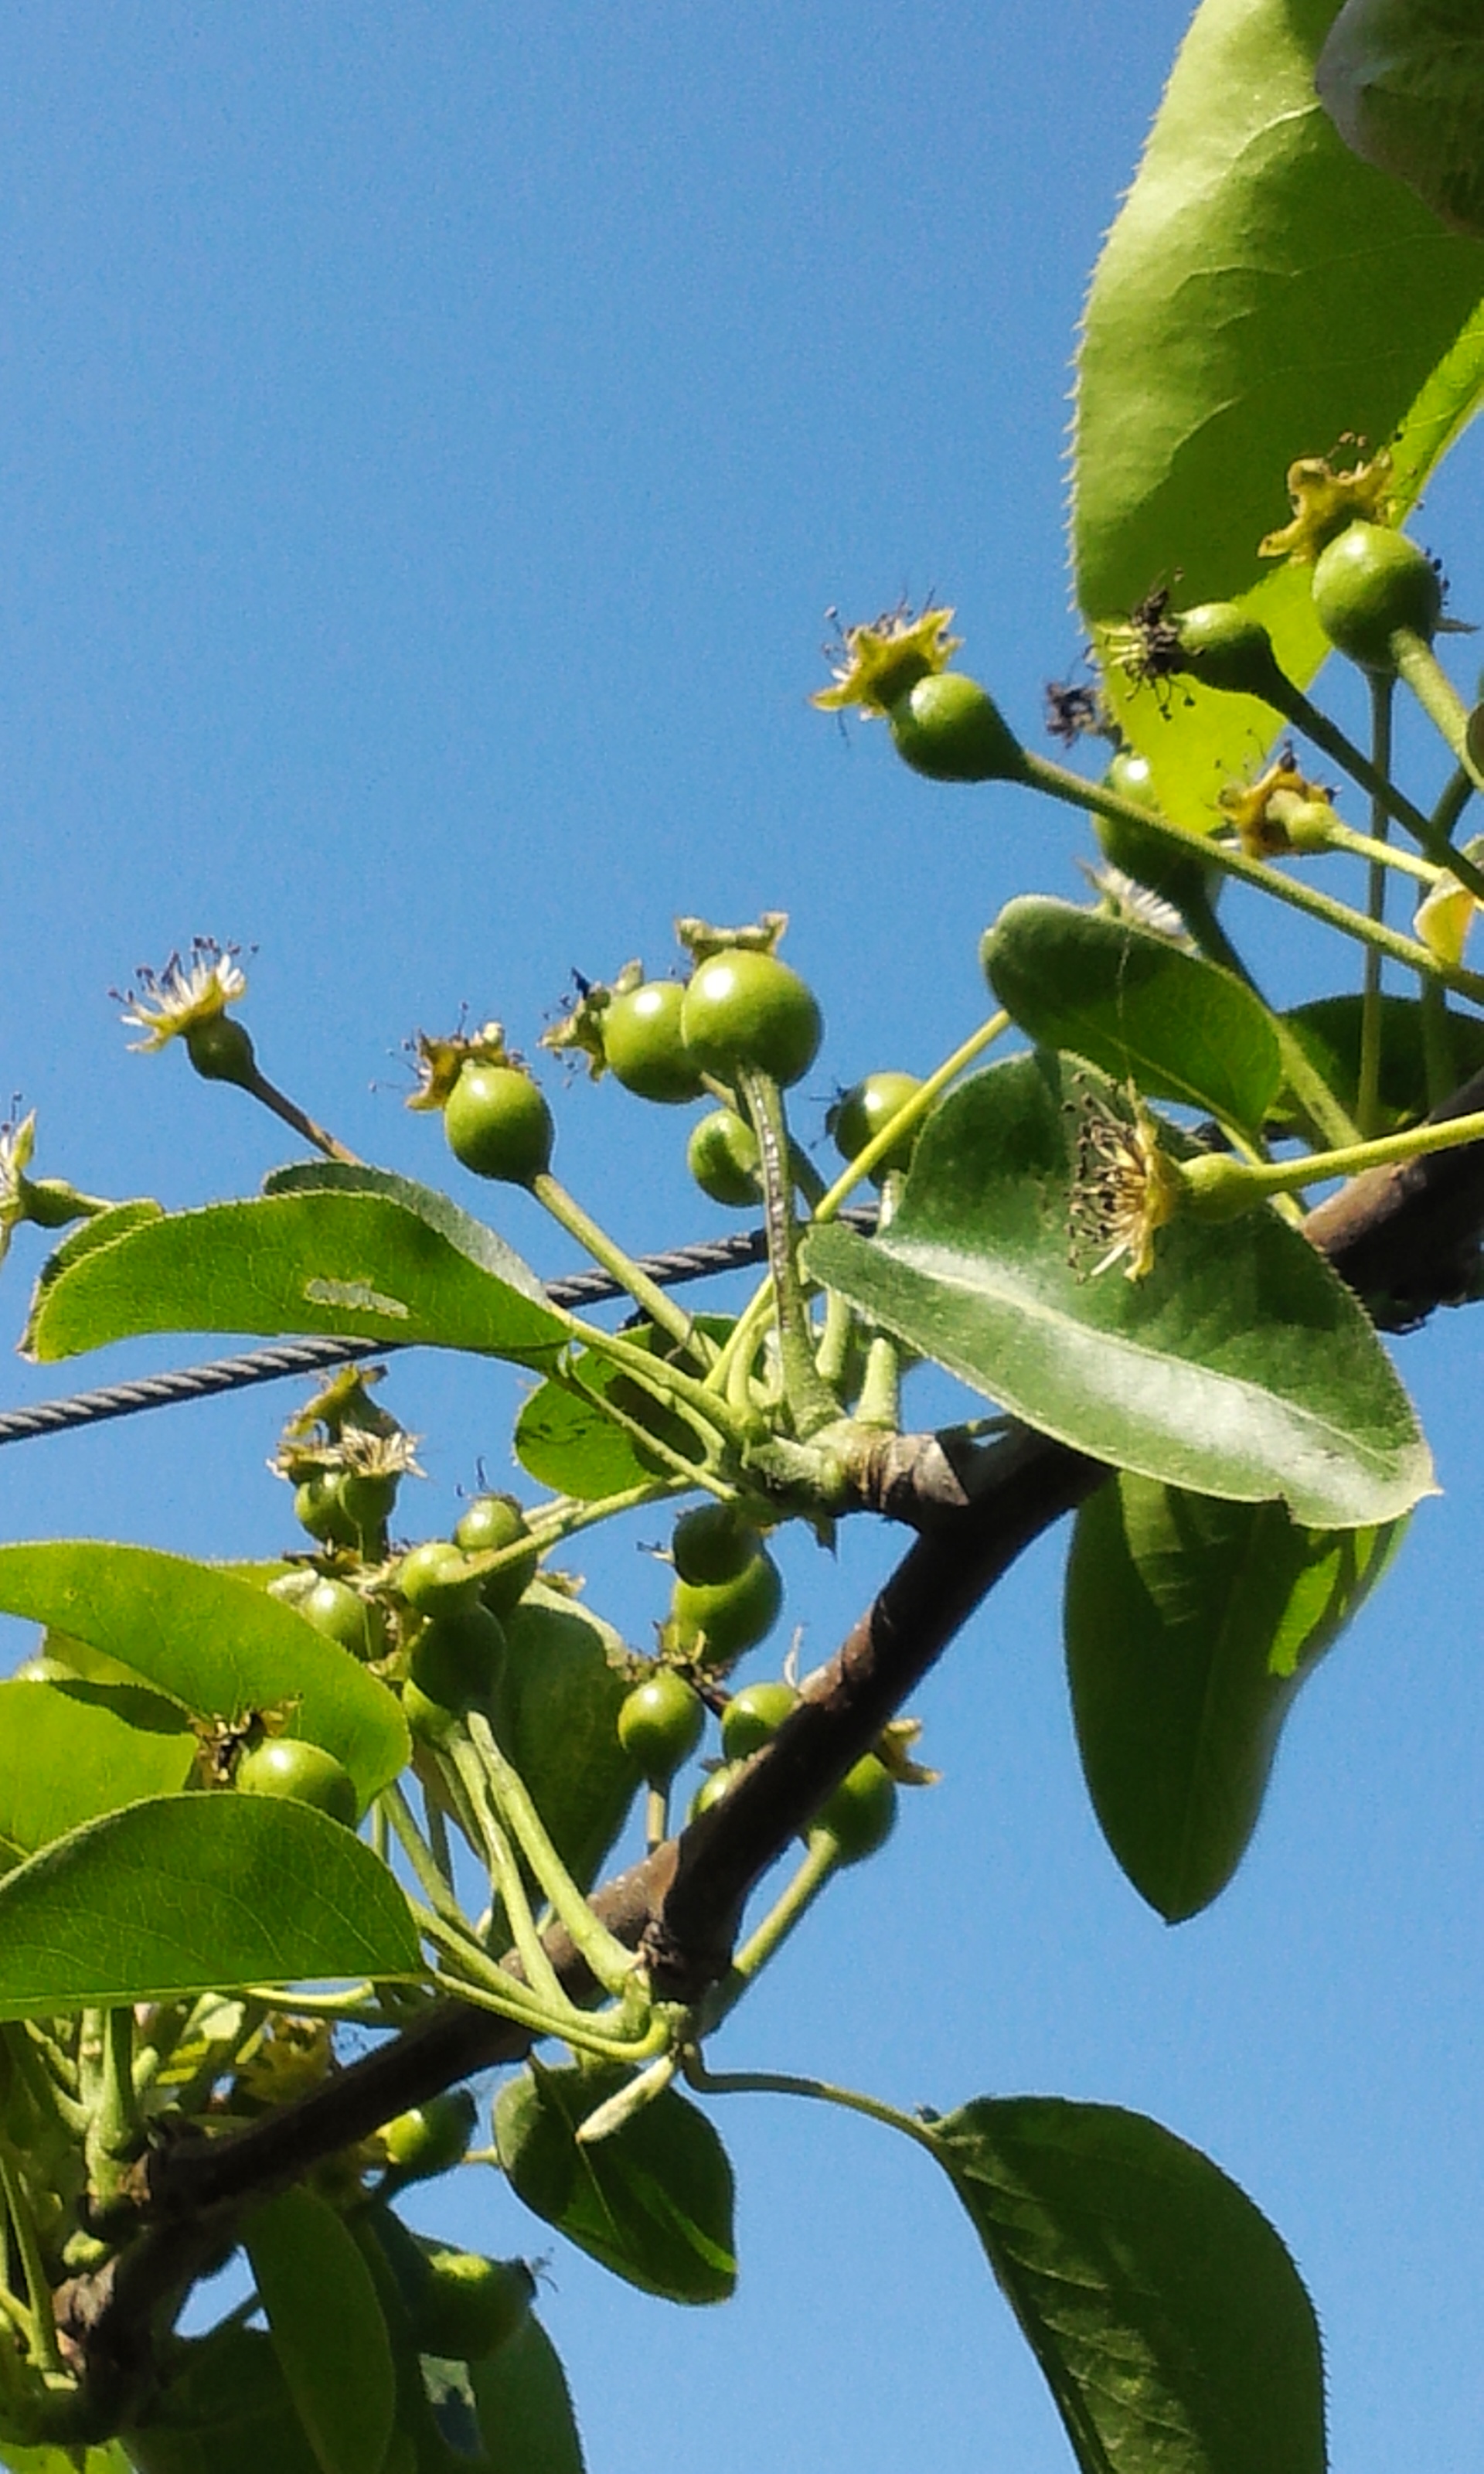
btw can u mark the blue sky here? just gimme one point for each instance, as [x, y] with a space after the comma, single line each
[435, 437]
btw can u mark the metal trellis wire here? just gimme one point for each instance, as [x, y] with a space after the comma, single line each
[699, 1262]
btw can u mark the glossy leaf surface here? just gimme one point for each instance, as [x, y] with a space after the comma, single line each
[555, 1710]
[653, 2202]
[70, 1751]
[110, 2459]
[1137, 1005]
[524, 2405]
[327, 2327]
[1404, 83]
[190, 1893]
[1190, 1625]
[1168, 2320]
[217, 1644]
[343, 1261]
[1240, 1366]
[1261, 294]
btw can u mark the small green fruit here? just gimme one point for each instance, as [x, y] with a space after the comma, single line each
[1370, 583]
[722, 1156]
[862, 1811]
[948, 728]
[713, 1542]
[468, 2307]
[860, 1116]
[499, 1124]
[660, 1725]
[753, 1715]
[434, 1579]
[744, 1010]
[718, 1620]
[491, 1523]
[457, 1659]
[645, 1047]
[302, 1773]
[429, 2138]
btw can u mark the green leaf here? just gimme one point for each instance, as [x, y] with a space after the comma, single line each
[1191, 1626]
[1136, 1006]
[1261, 294]
[225, 2410]
[653, 2202]
[1404, 83]
[1240, 1366]
[566, 1441]
[348, 1263]
[526, 2419]
[470, 1237]
[326, 2328]
[555, 1712]
[69, 1751]
[1168, 2320]
[217, 1644]
[1329, 1031]
[192, 1894]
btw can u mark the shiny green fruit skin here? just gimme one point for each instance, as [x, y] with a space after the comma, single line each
[467, 2307]
[1146, 856]
[457, 1659]
[434, 1579]
[366, 1501]
[734, 1616]
[864, 1111]
[319, 1509]
[949, 729]
[753, 1717]
[302, 1773]
[492, 1522]
[862, 1811]
[341, 1615]
[429, 2138]
[710, 1542]
[722, 1156]
[714, 1786]
[745, 1010]
[1227, 649]
[221, 1050]
[660, 1724]
[498, 1125]
[645, 1047]
[1368, 584]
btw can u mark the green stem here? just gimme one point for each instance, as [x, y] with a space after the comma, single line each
[279, 1103]
[432, 1878]
[39, 2294]
[821, 1860]
[1329, 1119]
[1419, 668]
[662, 1311]
[1058, 783]
[114, 2134]
[1222, 1186]
[787, 2083]
[505, 1875]
[1453, 798]
[610, 1962]
[880, 1392]
[1368, 1101]
[666, 1381]
[1371, 778]
[811, 1402]
[1382, 854]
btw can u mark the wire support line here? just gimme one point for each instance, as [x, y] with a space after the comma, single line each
[701, 1261]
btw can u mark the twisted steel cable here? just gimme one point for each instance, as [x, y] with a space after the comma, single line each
[671, 1270]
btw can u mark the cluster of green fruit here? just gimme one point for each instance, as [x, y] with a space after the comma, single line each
[742, 1011]
[726, 1600]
